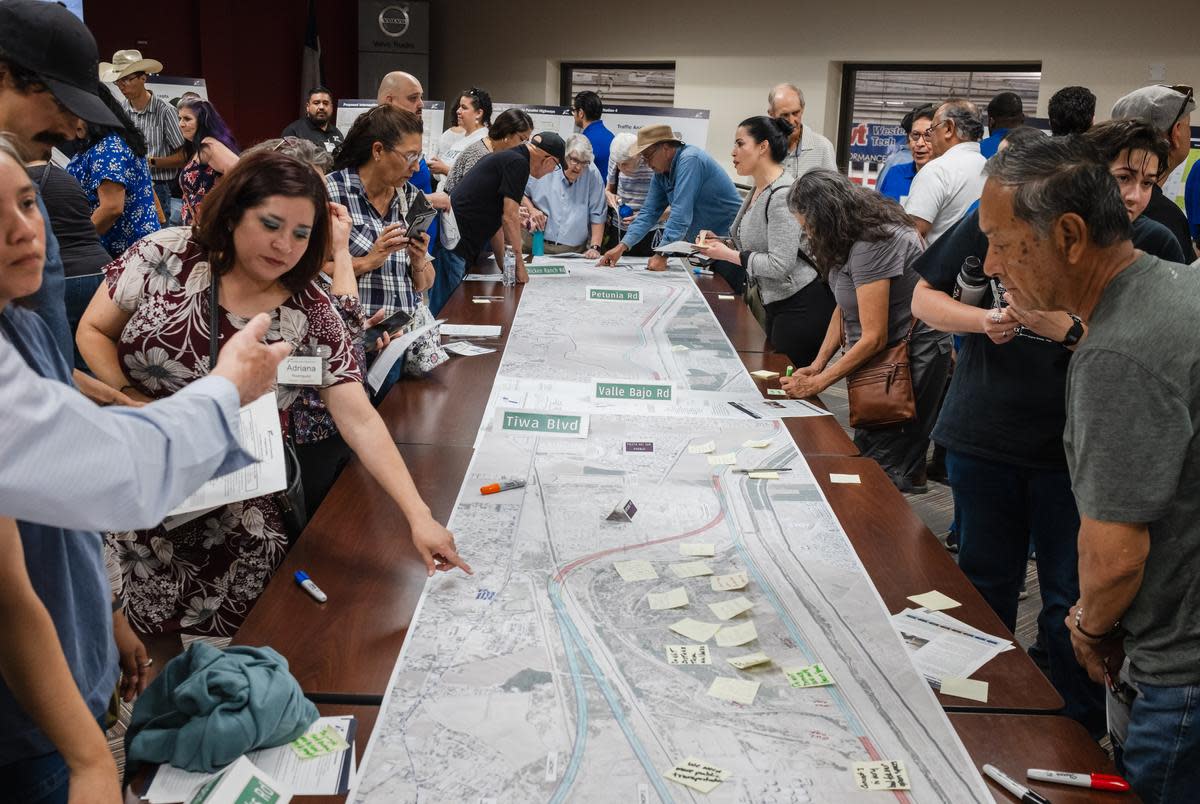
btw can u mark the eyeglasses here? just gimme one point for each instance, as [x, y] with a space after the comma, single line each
[412, 159]
[928, 135]
[125, 79]
[1188, 95]
[577, 162]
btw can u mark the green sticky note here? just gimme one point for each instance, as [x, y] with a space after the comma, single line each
[776, 392]
[319, 743]
[813, 675]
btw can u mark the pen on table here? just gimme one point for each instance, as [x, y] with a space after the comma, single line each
[307, 585]
[494, 488]
[1020, 791]
[763, 469]
[1096, 781]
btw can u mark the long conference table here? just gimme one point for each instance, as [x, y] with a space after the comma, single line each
[357, 549]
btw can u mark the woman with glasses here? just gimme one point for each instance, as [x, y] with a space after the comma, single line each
[211, 149]
[894, 183]
[473, 115]
[569, 204]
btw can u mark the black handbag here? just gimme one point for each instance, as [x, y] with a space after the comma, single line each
[291, 499]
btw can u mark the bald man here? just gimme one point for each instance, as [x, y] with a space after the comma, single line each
[404, 91]
[807, 149]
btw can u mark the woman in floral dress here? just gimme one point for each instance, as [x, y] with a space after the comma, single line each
[266, 229]
[212, 149]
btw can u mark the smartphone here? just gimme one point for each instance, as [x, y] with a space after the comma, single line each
[420, 216]
[393, 325]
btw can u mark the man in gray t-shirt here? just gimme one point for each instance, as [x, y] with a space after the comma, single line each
[1059, 240]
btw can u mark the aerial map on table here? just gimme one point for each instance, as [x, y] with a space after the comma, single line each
[667, 611]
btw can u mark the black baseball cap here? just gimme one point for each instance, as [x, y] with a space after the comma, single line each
[552, 144]
[52, 43]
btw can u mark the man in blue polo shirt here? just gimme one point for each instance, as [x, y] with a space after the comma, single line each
[1004, 111]
[699, 192]
[587, 110]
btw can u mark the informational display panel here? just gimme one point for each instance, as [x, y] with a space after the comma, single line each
[690, 125]
[348, 110]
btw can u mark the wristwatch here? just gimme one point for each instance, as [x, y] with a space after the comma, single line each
[150, 161]
[594, 245]
[1074, 333]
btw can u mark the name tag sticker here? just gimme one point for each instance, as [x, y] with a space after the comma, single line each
[300, 370]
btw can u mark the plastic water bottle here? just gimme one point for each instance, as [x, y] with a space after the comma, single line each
[509, 277]
[625, 211]
[539, 243]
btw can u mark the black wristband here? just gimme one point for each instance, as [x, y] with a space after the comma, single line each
[745, 258]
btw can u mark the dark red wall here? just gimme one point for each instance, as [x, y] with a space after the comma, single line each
[248, 51]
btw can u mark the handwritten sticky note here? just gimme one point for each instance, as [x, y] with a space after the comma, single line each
[636, 570]
[478, 300]
[737, 690]
[752, 444]
[679, 347]
[934, 601]
[695, 630]
[763, 474]
[728, 583]
[697, 549]
[749, 660]
[319, 743]
[697, 774]
[887, 775]
[668, 600]
[728, 609]
[728, 459]
[691, 569]
[776, 392]
[813, 675]
[688, 654]
[702, 449]
[965, 688]
[850, 479]
[763, 374]
[733, 635]
[726, 297]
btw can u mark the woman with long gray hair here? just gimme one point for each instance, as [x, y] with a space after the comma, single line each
[864, 246]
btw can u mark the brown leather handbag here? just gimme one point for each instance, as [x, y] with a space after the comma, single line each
[881, 390]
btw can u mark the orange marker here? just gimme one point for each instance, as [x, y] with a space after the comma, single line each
[495, 488]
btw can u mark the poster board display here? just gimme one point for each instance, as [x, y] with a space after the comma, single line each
[348, 110]
[691, 125]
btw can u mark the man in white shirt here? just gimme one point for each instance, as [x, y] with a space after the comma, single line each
[947, 187]
[807, 149]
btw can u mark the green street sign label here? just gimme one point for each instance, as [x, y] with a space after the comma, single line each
[639, 391]
[626, 295]
[534, 269]
[549, 424]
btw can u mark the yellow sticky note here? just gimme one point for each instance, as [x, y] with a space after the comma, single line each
[679, 347]
[738, 690]
[688, 654]
[752, 444]
[934, 601]
[730, 582]
[749, 660]
[733, 635]
[965, 688]
[887, 775]
[478, 300]
[691, 569]
[847, 479]
[728, 459]
[695, 630]
[763, 474]
[728, 609]
[813, 675]
[726, 296]
[763, 374]
[668, 600]
[702, 449]
[697, 774]
[697, 549]
[636, 570]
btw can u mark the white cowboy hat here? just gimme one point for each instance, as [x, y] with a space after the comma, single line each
[127, 62]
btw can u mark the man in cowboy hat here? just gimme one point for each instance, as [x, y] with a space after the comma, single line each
[698, 190]
[154, 117]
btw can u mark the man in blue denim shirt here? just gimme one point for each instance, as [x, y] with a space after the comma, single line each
[698, 190]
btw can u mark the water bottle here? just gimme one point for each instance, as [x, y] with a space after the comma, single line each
[509, 277]
[539, 243]
[625, 211]
[972, 282]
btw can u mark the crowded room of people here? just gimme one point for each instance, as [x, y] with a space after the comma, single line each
[439, 401]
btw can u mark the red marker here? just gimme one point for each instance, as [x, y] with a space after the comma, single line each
[1096, 781]
[496, 488]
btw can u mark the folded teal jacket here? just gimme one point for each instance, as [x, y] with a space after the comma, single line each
[209, 706]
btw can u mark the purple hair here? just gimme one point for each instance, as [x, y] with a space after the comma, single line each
[208, 124]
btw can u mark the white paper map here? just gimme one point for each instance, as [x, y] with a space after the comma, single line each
[547, 677]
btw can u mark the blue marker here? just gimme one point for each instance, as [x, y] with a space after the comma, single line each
[308, 586]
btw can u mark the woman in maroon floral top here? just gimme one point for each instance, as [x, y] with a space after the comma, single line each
[264, 236]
